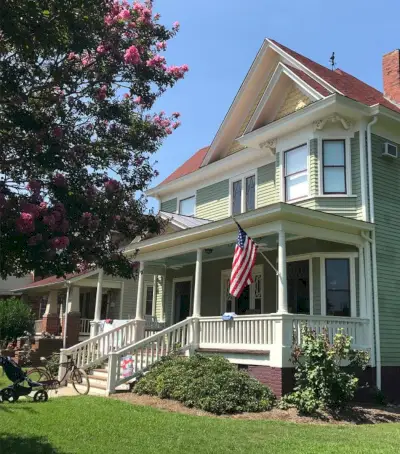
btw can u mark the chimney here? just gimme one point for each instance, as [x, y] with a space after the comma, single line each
[391, 75]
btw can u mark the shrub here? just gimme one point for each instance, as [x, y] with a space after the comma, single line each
[16, 319]
[322, 383]
[208, 383]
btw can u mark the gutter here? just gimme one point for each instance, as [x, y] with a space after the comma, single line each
[372, 241]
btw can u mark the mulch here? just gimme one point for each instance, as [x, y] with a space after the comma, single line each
[354, 415]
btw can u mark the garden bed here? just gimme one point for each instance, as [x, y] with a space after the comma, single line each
[354, 415]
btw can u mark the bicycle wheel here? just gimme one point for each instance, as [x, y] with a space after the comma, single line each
[38, 374]
[80, 381]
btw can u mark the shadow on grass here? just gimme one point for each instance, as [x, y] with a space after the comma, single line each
[26, 445]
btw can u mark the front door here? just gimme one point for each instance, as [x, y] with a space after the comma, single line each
[298, 285]
[182, 299]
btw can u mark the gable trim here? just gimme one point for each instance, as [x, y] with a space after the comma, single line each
[281, 69]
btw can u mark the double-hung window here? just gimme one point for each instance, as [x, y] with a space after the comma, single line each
[243, 194]
[186, 206]
[334, 166]
[296, 173]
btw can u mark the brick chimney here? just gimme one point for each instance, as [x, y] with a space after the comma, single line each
[391, 75]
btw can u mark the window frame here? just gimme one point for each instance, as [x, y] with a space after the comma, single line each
[344, 167]
[148, 285]
[307, 170]
[183, 198]
[243, 178]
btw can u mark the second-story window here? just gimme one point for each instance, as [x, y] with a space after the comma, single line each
[334, 166]
[296, 173]
[186, 206]
[244, 194]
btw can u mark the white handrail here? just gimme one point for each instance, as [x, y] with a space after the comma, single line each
[149, 350]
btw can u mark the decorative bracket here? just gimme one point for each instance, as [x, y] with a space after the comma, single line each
[271, 144]
[320, 124]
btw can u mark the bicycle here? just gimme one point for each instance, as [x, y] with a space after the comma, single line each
[73, 374]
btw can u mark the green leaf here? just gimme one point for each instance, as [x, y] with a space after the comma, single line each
[46, 12]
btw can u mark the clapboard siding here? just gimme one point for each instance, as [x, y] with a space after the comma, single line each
[266, 191]
[212, 202]
[169, 206]
[386, 176]
[160, 298]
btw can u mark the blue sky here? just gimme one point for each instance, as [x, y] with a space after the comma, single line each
[219, 40]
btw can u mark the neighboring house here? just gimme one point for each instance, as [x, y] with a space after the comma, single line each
[306, 160]
[8, 285]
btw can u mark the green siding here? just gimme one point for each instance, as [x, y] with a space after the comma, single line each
[316, 263]
[356, 173]
[266, 191]
[313, 167]
[212, 202]
[386, 176]
[160, 298]
[278, 176]
[170, 206]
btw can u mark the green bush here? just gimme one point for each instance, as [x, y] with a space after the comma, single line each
[16, 318]
[322, 383]
[208, 383]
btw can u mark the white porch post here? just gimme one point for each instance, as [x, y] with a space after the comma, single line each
[361, 282]
[197, 300]
[282, 281]
[51, 306]
[140, 321]
[73, 299]
[94, 324]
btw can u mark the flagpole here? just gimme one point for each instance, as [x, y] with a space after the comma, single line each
[262, 253]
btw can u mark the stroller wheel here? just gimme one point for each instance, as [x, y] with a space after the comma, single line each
[41, 396]
[9, 395]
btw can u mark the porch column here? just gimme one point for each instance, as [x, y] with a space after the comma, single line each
[50, 322]
[197, 284]
[94, 325]
[140, 321]
[361, 282]
[72, 318]
[282, 281]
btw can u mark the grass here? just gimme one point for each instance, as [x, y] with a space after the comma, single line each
[98, 425]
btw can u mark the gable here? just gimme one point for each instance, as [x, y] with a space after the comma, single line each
[294, 101]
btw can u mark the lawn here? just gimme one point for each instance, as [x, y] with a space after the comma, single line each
[98, 425]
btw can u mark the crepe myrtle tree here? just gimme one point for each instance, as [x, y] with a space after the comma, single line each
[78, 81]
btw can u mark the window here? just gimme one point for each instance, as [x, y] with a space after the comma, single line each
[296, 173]
[298, 285]
[337, 278]
[334, 166]
[244, 195]
[149, 299]
[186, 206]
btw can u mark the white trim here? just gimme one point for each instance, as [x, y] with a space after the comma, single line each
[121, 300]
[174, 281]
[242, 177]
[146, 286]
[353, 283]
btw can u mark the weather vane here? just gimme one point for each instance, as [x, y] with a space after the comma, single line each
[333, 61]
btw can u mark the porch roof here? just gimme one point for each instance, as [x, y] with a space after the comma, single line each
[298, 220]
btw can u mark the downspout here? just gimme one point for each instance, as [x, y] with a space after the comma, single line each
[374, 265]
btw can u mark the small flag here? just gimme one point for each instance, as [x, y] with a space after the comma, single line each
[243, 263]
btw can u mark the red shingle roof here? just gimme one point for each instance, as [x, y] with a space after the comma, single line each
[191, 165]
[349, 85]
[310, 81]
[53, 280]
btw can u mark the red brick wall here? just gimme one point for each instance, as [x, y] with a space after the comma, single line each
[280, 381]
[391, 75]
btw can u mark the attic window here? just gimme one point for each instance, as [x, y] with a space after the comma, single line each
[186, 206]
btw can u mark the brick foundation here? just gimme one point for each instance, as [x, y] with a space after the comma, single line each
[280, 381]
[390, 383]
[51, 324]
[73, 328]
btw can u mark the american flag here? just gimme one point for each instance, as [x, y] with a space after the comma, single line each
[243, 263]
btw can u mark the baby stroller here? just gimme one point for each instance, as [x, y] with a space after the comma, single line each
[21, 384]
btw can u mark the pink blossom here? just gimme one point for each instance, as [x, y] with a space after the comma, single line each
[126, 95]
[176, 125]
[35, 239]
[178, 71]
[34, 186]
[31, 209]
[108, 20]
[49, 221]
[60, 242]
[145, 16]
[138, 100]
[132, 55]
[161, 45]
[71, 56]
[156, 173]
[138, 7]
[101, 49]
[176, 115]
[176, 25]
[157, 16]
[111, 185]
[25, 223]
[168, 131]
[124, 14]
[59, 180]
[57, 132]
[43, 206]
[86, 59]
[139, 161]
[102, 93]
[157, 60]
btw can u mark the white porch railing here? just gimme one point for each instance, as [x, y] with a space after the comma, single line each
[149, 350]
[357, 328]
[84, 328]
[96, 349]
[243, 332]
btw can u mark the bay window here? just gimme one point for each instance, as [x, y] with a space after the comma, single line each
[334, 166]
[296, 173]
